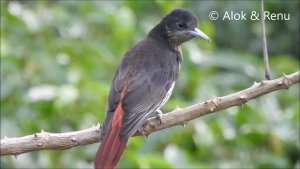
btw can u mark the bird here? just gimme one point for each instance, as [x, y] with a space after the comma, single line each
[144, 82]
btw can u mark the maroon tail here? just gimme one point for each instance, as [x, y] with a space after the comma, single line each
[112, 147]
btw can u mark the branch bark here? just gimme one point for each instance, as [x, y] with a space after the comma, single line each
[60, 141]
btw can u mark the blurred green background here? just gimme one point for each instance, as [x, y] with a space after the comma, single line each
[58, 59]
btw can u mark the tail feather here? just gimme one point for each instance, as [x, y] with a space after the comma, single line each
[112, 146]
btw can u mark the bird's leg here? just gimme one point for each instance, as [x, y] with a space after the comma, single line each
[159, 115]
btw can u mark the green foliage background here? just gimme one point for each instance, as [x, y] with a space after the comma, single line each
[58, 59]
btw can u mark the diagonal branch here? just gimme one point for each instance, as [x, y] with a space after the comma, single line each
[59, 141]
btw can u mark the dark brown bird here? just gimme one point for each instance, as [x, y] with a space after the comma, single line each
[144, 82]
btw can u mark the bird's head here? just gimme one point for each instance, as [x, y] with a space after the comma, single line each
[179, 26]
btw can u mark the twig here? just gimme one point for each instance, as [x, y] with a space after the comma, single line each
[264, 41]
[59, 141]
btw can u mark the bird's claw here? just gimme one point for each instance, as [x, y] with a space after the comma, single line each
[159, 115]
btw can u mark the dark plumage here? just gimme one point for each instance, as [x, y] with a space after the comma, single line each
[144, 82]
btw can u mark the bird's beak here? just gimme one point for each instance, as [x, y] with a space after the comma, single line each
[199, 34]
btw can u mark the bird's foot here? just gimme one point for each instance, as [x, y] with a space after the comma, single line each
[159, 116]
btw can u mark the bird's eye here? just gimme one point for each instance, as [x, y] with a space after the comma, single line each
[179, 24]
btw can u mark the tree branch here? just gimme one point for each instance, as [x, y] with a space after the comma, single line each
[59, 141]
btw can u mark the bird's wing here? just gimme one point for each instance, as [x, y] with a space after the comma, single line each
[145, 93]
